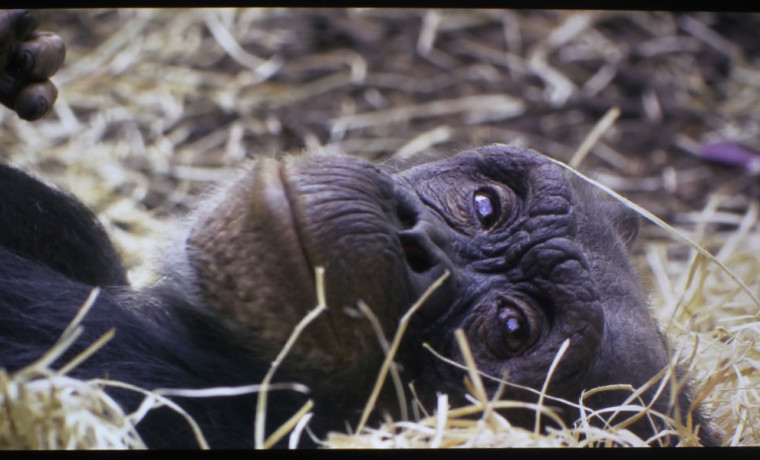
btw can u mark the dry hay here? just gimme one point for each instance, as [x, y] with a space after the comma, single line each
[46, 409]
[157, 105]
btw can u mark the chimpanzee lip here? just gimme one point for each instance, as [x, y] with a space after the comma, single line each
[318, 228]
[280, 204]
[297, 226]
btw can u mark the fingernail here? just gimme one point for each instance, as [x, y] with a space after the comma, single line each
[22, 63]
[27, 62]
[33, 109]
[41, 107]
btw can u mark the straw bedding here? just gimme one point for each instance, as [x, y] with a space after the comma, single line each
[158, 106]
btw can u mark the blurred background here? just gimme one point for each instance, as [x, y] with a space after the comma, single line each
[158, 106]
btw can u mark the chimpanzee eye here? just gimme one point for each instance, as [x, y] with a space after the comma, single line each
[487, 207]
[515, 329]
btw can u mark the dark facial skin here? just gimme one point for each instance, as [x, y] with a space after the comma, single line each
[545, 262]
[534, 259]
[28, 59]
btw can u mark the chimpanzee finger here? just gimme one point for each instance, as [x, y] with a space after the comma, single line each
[38, 58]
[16, 25]
[27, 60]
[9, 88]
[8, 41]
[35, 100]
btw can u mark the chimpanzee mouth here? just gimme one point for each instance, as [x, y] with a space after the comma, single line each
[274, 194]
[290, 199]
[342, 211]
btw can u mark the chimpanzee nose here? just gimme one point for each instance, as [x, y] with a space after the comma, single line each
[417, 233]
[424, 241]
[418, 250]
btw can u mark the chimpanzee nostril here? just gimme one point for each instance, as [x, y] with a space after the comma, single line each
[417, 256]
[407, 215]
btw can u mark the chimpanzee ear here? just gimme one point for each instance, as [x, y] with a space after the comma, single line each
[624, 220]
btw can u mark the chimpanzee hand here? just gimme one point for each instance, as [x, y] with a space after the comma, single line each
[27, 61]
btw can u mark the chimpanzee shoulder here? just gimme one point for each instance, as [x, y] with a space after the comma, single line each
[52, 227]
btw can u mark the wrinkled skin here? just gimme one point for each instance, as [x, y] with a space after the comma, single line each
[534, 259]
[28, 59]
[548, 263]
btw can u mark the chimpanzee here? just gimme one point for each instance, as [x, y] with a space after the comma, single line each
[27, 61]
[534, 258]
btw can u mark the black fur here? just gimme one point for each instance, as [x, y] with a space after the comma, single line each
[53, 252]
[552, 264]
[51, 227]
